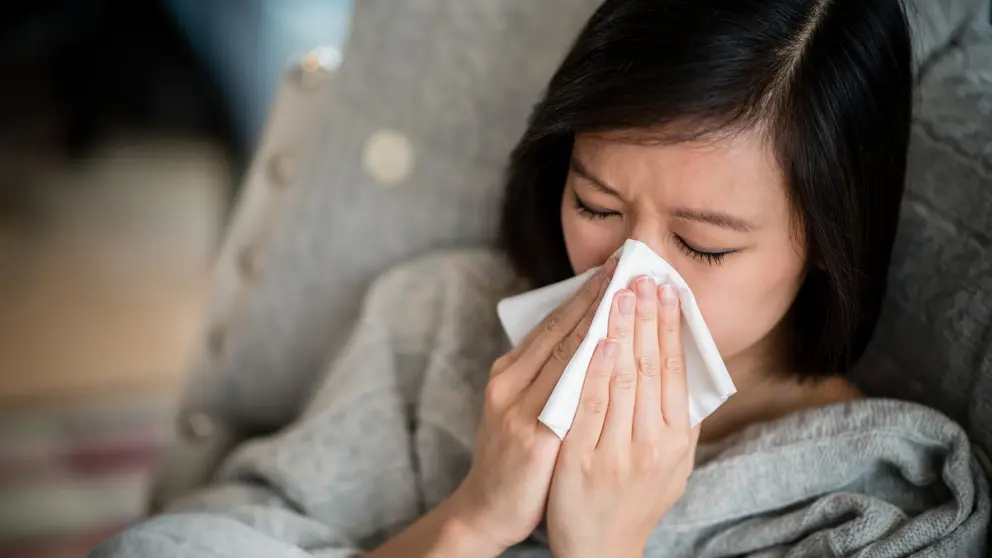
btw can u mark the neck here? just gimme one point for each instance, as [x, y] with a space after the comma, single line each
[766, 392]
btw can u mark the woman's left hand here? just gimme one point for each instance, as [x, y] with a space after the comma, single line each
[629, 453]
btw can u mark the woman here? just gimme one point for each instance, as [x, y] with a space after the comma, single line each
[759, 147]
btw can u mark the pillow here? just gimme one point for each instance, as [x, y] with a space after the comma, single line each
[934, 341]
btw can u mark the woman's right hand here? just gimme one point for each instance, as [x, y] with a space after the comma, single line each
[503, 497]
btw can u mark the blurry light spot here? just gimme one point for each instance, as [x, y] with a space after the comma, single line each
[325, 58]
[388, 157]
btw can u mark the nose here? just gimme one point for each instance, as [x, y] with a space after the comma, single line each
[654, 236]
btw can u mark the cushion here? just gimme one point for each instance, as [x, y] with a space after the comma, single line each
[934, 342]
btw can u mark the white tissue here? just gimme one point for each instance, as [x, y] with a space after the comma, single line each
[708, 382]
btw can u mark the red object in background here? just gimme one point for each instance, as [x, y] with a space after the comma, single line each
[71, 478]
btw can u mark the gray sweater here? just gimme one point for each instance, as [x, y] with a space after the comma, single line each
[390, 433]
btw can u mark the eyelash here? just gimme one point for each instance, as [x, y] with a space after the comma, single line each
[590, 213]
[711, 258]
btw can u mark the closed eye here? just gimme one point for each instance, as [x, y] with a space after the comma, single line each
[712, 258]
[591, 213]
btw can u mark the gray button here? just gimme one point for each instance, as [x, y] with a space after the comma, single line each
[388, 157]
[249, 263]
[282, 170]
[198, 426]
[216, 340]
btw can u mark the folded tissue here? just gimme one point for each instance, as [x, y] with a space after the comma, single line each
[708, 382]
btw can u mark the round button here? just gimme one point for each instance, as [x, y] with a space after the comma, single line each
[216, 340]
[198, 426]
[388, 157]
[249, 263]
[282, 170]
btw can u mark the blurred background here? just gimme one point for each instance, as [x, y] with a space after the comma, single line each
[125, 127]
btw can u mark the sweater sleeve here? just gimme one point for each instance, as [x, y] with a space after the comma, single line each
[342, 478]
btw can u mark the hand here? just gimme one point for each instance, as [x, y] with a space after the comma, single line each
[504, 495]
[629, 453]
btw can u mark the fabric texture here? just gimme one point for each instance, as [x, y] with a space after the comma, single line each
[938, 308]
[457, 80]
[391, 433]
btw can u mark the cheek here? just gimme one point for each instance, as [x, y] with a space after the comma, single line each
[745, 302]
[588, 242]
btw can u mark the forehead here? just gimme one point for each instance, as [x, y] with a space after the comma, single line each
[736, 174]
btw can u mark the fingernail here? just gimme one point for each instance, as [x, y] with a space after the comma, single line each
[626, 302]
[645, 287]
[668, 297]
[609, 348]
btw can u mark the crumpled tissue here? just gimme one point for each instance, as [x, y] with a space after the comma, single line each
[709, 384]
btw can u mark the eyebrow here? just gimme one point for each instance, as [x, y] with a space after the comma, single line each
[723, 220]
[715, 218]
[581, 170]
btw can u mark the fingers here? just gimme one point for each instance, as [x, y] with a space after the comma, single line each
[620, 412]
[530, 355]
[536, 396]
[591, 414]
[674, 394]
[648, 420]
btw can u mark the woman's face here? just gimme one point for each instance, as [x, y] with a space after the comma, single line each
[716, 210]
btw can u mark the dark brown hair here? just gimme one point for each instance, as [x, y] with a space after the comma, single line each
[829, 80]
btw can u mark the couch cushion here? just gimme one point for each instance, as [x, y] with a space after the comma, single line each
[407, 154]
[934, 342]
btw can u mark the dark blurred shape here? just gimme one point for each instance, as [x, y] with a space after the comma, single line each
[79, 70]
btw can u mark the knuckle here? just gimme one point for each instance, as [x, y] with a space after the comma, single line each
[674, 364]
[625, 379]
[648, 366]
[587, 464]
[645, 312]
[561, 353]
[595, 405]
[552, 324]
[496, 392]
[580, 333]
[501, 364]
[601, 371]
[516, 429]
[616, 468]
[624, 333]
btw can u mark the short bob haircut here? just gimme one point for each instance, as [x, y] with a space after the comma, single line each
[829, 82]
